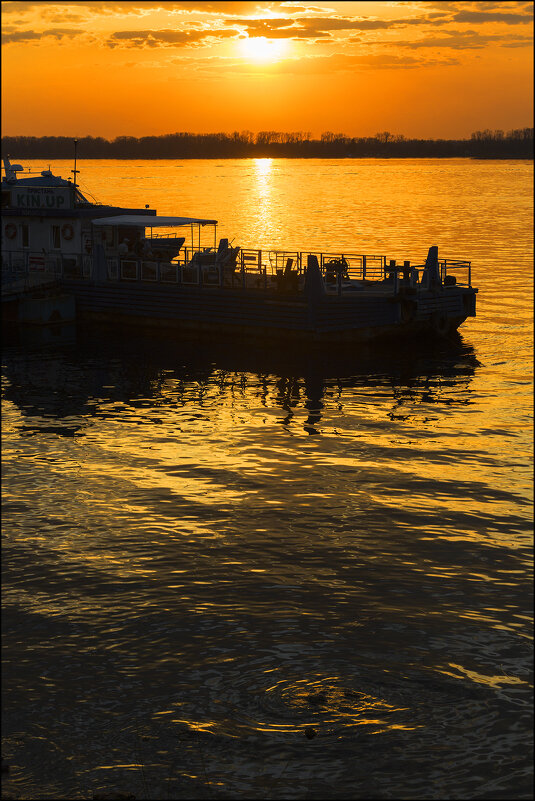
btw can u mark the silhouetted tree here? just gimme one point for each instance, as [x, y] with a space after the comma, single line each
[516, 143]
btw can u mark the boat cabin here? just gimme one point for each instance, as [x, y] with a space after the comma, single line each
[46, 218]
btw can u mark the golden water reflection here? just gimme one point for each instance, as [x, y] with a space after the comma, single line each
[187, 525]
[264, 192]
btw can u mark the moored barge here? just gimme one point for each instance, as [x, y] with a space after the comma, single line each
[132, 265]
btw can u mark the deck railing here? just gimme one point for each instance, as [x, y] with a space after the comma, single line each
[250, 268]
[20, 262]
[459, 269]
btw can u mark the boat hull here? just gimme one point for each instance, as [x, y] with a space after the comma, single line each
[264, 315]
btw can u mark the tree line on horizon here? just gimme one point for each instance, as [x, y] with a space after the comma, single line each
[517, 143]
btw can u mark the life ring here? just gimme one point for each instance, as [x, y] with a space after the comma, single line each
[11, 231]
[441, 324]
[407, 311]
[67, 232]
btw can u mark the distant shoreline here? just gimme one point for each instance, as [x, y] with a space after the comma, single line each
[516, 144]
[68, 157]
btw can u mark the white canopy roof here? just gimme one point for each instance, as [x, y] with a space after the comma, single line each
[148, 221]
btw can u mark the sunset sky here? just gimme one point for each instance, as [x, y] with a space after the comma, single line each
[422, 69]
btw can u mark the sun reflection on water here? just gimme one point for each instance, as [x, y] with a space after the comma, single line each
[263, 199]
[188, 526]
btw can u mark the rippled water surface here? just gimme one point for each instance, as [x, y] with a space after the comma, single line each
[236, 572]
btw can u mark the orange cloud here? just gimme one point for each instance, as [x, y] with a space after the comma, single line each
[166, 38]
[135, 6]
[27, 36]
[493, 16]
[466, 40]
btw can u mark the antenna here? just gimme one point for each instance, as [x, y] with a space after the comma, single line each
[75, 171]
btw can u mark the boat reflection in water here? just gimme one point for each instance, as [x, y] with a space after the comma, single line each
[231, 572]
[311, 380]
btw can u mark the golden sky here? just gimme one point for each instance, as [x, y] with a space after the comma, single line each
[421, 69]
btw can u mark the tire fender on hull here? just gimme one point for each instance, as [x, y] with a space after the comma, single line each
[407, 311]
[440, 324]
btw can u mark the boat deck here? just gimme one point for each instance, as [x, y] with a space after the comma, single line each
[281, 272]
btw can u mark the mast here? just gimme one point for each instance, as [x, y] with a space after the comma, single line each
[75, 171]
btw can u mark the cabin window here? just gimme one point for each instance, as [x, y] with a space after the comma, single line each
[56, 241]
[25, 235]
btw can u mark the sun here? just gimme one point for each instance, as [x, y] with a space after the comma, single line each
[258, 48]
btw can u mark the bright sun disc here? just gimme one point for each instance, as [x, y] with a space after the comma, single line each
[259, 48]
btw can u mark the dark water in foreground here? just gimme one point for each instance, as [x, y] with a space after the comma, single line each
[210, 552]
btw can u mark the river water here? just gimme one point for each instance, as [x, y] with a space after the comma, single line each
[237, 572]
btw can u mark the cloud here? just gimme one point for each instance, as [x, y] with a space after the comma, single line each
[509, 12]
[319, 28]
[456, 5]
[295, 9]
[223, 7]
[274, 28]
[27, 36]
[65, 18]
[166, 38]
[311, 27]
[491, 16]
[465, 40]
[306, 27]
[20, 36]
[137, 6]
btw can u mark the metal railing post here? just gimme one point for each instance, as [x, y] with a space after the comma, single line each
[394, 274]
